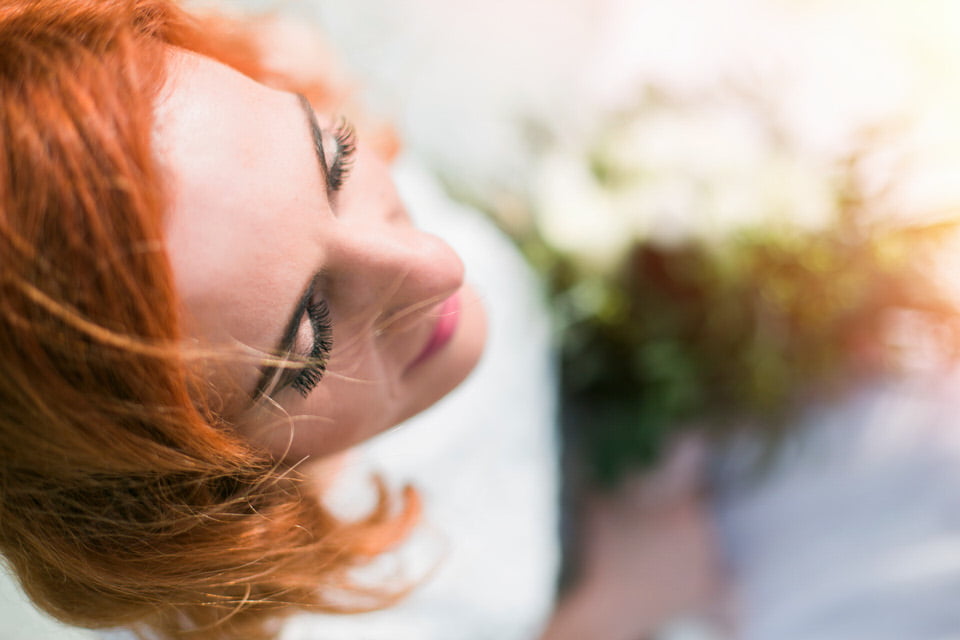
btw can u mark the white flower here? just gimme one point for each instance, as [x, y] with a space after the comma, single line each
[574, 213]
[674, 173]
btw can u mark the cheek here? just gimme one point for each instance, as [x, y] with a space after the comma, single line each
[358, 388]
[357, 399]
[352, 404]
[325, 423]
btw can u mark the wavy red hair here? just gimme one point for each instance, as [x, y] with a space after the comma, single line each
[124, 500]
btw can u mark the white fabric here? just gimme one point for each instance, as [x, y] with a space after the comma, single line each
[853, 532]
[19, 620]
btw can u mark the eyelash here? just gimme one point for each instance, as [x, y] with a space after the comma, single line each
[310, 376]
[346, 137]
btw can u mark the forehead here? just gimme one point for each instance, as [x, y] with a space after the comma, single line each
[243, 227]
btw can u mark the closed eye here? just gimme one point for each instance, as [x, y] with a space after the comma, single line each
[316, 362]
[346, 137]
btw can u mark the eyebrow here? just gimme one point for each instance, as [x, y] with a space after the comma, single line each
[317, 136]
[268, 373]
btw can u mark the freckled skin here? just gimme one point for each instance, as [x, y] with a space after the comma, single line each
[250, 223]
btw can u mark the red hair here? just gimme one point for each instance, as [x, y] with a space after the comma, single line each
[124, 500]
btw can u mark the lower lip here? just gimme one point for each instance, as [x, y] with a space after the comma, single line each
[443, 330]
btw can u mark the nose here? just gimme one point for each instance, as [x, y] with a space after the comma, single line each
[389, 269]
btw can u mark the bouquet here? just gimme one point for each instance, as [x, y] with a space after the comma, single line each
[709, 271]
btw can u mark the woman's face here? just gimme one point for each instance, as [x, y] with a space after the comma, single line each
[273, 247]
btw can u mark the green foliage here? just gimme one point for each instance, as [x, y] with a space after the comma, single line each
[742, 331]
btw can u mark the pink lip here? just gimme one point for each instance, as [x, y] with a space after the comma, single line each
[448, 317]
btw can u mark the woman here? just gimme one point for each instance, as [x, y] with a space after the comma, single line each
[205, 283]
[170, 298]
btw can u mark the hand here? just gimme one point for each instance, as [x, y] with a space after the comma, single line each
[648, 554]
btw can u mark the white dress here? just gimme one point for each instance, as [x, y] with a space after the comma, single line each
[853, 533]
